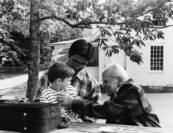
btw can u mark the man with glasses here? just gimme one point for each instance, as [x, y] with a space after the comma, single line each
[80, 52]
[128, 103]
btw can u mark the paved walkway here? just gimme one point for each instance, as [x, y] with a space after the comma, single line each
[14, 81]
[162, 104]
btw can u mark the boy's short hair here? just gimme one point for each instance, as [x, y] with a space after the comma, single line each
[59, 70]
[83, 48]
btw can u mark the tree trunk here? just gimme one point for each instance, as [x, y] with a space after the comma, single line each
[45, 48]
[33, 68]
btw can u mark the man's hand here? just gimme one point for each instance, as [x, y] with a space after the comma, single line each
[65, 100]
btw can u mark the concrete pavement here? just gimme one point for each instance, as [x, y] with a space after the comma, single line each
[14, 81]
[162, 105]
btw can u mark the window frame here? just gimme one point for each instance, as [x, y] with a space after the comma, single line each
[157, 58]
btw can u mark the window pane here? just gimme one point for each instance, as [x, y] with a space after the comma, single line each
[156, 59]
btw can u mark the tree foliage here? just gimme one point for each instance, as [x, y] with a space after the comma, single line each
[128, 23]
[14, 19]
[15, 34]
[60, 32]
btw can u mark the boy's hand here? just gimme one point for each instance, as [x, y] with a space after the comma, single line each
[65, 100]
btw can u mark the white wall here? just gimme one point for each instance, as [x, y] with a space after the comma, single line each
[141, 73]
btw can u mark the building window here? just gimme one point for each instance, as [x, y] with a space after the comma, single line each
[156, 59]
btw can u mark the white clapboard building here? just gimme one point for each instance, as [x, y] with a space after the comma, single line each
[156, 69]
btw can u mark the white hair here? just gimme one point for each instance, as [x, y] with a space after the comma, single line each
[116, 71]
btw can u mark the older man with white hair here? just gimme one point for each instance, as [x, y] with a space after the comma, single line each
[128, 103]
[113, 77]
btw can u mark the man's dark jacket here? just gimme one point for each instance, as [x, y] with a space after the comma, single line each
[130, 107]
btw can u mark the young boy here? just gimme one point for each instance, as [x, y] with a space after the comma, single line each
[59, 76]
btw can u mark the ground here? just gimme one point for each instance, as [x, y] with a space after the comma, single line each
[162, 103]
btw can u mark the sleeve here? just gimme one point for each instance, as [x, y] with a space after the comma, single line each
[71, 91]
[44, 97]
[88, 108]
[126, 106]
[115, 110]
[108, 110]
[123, 108]
[43, 83]
[132, 103]
[95, 90]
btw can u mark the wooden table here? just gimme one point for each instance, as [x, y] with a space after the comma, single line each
[82, 127]
[98, 128]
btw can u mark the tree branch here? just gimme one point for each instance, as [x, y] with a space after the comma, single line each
[161, 27]
[81, 24]
[78, 25]
[87, 23]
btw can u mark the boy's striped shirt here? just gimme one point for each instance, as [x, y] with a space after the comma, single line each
[50, 96]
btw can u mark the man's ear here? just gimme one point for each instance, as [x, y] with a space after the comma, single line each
[120, 81]
[58, 81]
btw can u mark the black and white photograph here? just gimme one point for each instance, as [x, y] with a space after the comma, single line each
[86, 66]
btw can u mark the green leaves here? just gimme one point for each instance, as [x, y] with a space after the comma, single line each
[136, 57]
[126, 23]
[72, 15]
[160, 35]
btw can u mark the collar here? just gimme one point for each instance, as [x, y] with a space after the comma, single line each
[57, 92]
[52, 89]
[119, 88]
[81, 74]
[126, 82]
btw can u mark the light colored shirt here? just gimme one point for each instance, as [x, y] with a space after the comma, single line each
[50, 96]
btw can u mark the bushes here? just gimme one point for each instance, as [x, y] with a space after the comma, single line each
[14, 69]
